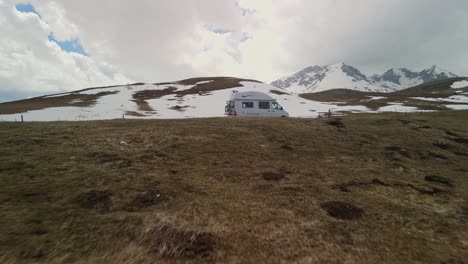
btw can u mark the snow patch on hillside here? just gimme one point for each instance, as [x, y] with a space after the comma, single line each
[207, 104]
[460, 84]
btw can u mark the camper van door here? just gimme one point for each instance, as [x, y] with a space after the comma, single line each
[264, 108]
[247, 108]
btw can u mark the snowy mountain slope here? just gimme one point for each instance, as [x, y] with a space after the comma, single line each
[203, 97]
[320, 78]
[206, 97]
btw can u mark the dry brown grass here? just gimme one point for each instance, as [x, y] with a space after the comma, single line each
[38, 103]
[236, 190]
[351, 97]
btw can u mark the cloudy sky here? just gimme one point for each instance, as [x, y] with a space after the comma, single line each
[50, 46]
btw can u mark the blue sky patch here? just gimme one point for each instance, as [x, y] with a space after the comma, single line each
[27, 8]
[73, 45]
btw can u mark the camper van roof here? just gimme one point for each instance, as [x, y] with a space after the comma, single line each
[251, 96]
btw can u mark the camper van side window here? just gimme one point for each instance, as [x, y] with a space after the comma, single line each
[247, 104]
[264, 105]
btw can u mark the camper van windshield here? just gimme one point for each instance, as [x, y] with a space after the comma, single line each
[275, 105]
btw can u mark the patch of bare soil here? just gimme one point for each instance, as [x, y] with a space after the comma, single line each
[342, 210]
[133, 113]
[94, 199]
[438, 179]
[287, 147]
[153, 94]
[337, 122]
[461, 140]
[172, 243]
[277, 92]
[179, 108]
[14, 166]
[272, 176]
[145, 199]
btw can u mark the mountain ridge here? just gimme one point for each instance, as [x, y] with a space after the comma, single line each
[318, 78]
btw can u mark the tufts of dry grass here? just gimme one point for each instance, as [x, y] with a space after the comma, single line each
[388, 188]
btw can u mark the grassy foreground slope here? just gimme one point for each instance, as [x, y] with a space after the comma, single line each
[387, 188]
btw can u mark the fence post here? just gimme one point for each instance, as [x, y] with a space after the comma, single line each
[22, 120]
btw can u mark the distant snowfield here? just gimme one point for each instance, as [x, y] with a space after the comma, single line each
[211, 104]
[452, 99]
[460, 84]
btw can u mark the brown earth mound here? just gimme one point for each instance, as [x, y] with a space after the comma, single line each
[342, 210]
[94, 200]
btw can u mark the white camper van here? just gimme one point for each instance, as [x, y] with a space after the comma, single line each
[253, 104]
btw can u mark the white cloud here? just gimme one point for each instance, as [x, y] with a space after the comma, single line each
[31, 64]
[168, 40]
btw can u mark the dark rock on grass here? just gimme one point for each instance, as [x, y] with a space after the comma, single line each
[99, 200]
[172, 243]
[272, 176]
[287, 147]
[438, 179]
[336, 123]
[342, 210]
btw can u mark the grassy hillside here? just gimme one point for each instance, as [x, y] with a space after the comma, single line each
[435, 89]
[365, 189]
[200, 85]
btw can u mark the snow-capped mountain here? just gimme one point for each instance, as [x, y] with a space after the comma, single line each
[320, 78]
